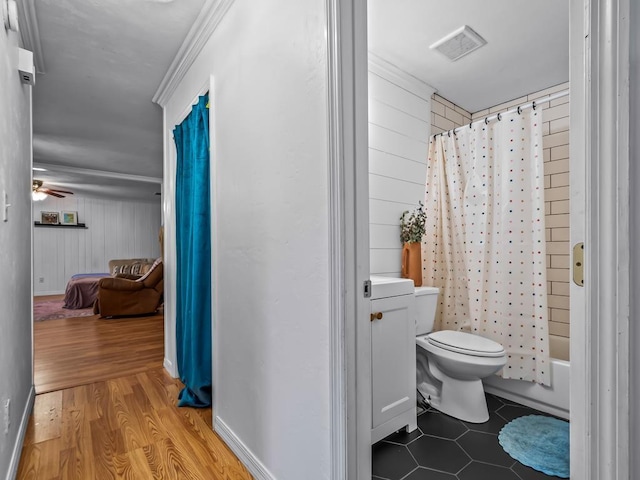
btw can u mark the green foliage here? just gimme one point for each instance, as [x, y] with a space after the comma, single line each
[412, 225]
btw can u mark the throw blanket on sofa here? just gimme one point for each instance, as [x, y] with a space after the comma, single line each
[82, 290]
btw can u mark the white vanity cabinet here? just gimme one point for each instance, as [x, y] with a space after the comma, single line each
[393, 357]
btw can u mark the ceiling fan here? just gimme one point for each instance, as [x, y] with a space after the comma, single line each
[41, 192]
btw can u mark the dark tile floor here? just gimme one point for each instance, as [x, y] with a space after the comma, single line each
[444, 448]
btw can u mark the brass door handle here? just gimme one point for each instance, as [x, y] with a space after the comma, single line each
[376, 316]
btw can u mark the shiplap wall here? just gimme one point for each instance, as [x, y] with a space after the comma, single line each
[115, 229]
[399, 129]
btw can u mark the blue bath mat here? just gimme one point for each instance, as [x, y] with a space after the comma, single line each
[539, 442]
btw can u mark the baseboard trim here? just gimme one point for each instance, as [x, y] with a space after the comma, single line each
[17, 448]
[51, 292]
[170, 367]
[246, 456]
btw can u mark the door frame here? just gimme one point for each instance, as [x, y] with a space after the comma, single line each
[170, 259]
[348, 176]
[600, 355]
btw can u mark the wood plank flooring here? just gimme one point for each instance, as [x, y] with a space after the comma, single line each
[124, 428]
[106, 408]
[76, 351]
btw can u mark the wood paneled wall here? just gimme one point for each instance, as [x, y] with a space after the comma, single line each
[399, 129]
[115, 229]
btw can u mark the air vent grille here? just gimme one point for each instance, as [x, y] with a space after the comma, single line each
[459, 43]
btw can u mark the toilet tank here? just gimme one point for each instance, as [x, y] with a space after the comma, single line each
[426, 304]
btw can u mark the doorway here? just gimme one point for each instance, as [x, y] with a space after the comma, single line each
[587, 409]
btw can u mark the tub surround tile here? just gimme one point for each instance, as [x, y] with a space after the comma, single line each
[555, 122]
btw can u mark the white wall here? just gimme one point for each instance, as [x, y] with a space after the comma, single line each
[115, 229]
[16, 379]
[271, 302]
[399, 129]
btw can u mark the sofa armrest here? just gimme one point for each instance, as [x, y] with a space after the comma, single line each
[120, 284]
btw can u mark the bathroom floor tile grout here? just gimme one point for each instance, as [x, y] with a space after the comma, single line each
[481, 455]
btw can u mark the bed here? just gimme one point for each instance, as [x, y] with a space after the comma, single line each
[82, 290]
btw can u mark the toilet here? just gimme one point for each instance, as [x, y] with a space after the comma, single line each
[450, 365]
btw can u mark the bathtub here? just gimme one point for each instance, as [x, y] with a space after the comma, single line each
[553, 400]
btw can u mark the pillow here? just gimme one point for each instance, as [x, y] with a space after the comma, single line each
[130, 269]
[144, 277]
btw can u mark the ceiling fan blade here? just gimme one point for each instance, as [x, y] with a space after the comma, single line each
[49, 192]
[59, 191]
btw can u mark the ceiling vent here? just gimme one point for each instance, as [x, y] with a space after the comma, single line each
[459, 43]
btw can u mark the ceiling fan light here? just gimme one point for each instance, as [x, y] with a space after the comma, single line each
[38, 196]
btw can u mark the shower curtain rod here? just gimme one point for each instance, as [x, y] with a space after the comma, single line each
[532, 104]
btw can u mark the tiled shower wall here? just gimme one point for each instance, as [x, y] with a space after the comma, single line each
[445, 115]
[398, 136]
[555, 117]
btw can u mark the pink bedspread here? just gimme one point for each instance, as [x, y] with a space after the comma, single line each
[82, 290]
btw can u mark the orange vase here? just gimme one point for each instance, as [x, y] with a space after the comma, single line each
[412, 262]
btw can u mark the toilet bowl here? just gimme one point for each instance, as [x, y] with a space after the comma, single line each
[451, 364]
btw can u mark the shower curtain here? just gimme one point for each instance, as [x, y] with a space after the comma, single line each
[485, 238]
[193, 249]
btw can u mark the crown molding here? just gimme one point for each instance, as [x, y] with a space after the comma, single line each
[388, 71]
[30, 32]
[96, 173]
[208, 19]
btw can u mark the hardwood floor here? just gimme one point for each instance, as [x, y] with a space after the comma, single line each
[106, 408]
[126, 427]
[76, 351]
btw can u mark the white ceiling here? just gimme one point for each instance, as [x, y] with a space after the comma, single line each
[92, 108]
[527, 46]
[104, 60]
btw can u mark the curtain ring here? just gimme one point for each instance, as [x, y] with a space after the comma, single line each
[470, 124]
[519, 109]
[533, 104]
[449, 133]
[499, 117]
[486, 120]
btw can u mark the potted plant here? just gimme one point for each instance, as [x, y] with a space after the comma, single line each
[412, 228]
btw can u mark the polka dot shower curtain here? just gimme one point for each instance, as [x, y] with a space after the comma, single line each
[485, 238]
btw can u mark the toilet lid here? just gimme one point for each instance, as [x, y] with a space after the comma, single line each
[467, 343]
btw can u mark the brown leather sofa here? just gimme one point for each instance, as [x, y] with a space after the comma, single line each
[121, 296]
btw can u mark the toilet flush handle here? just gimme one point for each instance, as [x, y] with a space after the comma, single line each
[376, 316]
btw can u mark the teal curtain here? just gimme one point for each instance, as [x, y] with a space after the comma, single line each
[193, 243]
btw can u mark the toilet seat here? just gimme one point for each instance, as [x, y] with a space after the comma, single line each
[465, 343]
